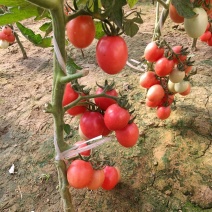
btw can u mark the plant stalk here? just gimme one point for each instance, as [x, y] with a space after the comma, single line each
[21, 46]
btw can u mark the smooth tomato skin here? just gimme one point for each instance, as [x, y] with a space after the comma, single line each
[186, 92]
[7, 30]
[163, 112]
[164, 67]
[111, 178]
[81, 31]
[79, 173]
[10, 38]
[176, 75]
[128, 136]
[85, 153]
[152, 104]
[69, 96]
[209, 42]
[3, 36]
[188, 69]
[152, 52]
[97, 180]
[116, 117]
[205, 36]
[197, 25]
[92, 124]
[148, 79]
[111, 54]
[104, 102]
[155, 93]
[177, 50]
[173, 14]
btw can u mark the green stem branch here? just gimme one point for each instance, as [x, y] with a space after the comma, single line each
[21, 46]
[69, 78]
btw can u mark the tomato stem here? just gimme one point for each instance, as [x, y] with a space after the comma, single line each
[20, 45]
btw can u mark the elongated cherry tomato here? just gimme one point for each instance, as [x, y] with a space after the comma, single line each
[111, 54]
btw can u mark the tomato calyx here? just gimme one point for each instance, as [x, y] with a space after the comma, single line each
[106, 87]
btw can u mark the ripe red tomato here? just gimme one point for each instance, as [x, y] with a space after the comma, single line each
[3, 36]
[173, 14]
[155, 93]
[119, 173]
[116, 117]
[177, 50]
[10, 38]
[128, 136]
[79, 173]
[152, 52]
[97, 180]
[104, 102]
[148, 79]
[111, 54]
[81, 31]
[69, 96]
[210, 41]
[164, 67]
[111, 178]
[163, 112]
[92, 124]
[205, 36]
[7, 30]
[188, 69]
[152, 104]
[81, 144]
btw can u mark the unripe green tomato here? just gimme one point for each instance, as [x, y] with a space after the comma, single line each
[4, 44]
[171, 86]
[176, 76]
[181, 86]
[196, 26]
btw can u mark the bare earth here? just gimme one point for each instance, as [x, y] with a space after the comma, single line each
[170, 169]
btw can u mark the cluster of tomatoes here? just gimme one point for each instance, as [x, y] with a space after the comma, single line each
[111, 51]
[196, 25]
[80, 174]
[108, 117]
[207, 35]
[6, 37]
[166, 78]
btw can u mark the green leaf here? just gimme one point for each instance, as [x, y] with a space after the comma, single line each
[45, 26]
[67, 128]
[36, 39]
[18, 10]
[130, 28]
[132, 2]
[99, 31]
[184, 8]
[71, 66]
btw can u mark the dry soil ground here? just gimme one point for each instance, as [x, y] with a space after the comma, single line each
[170, 169]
